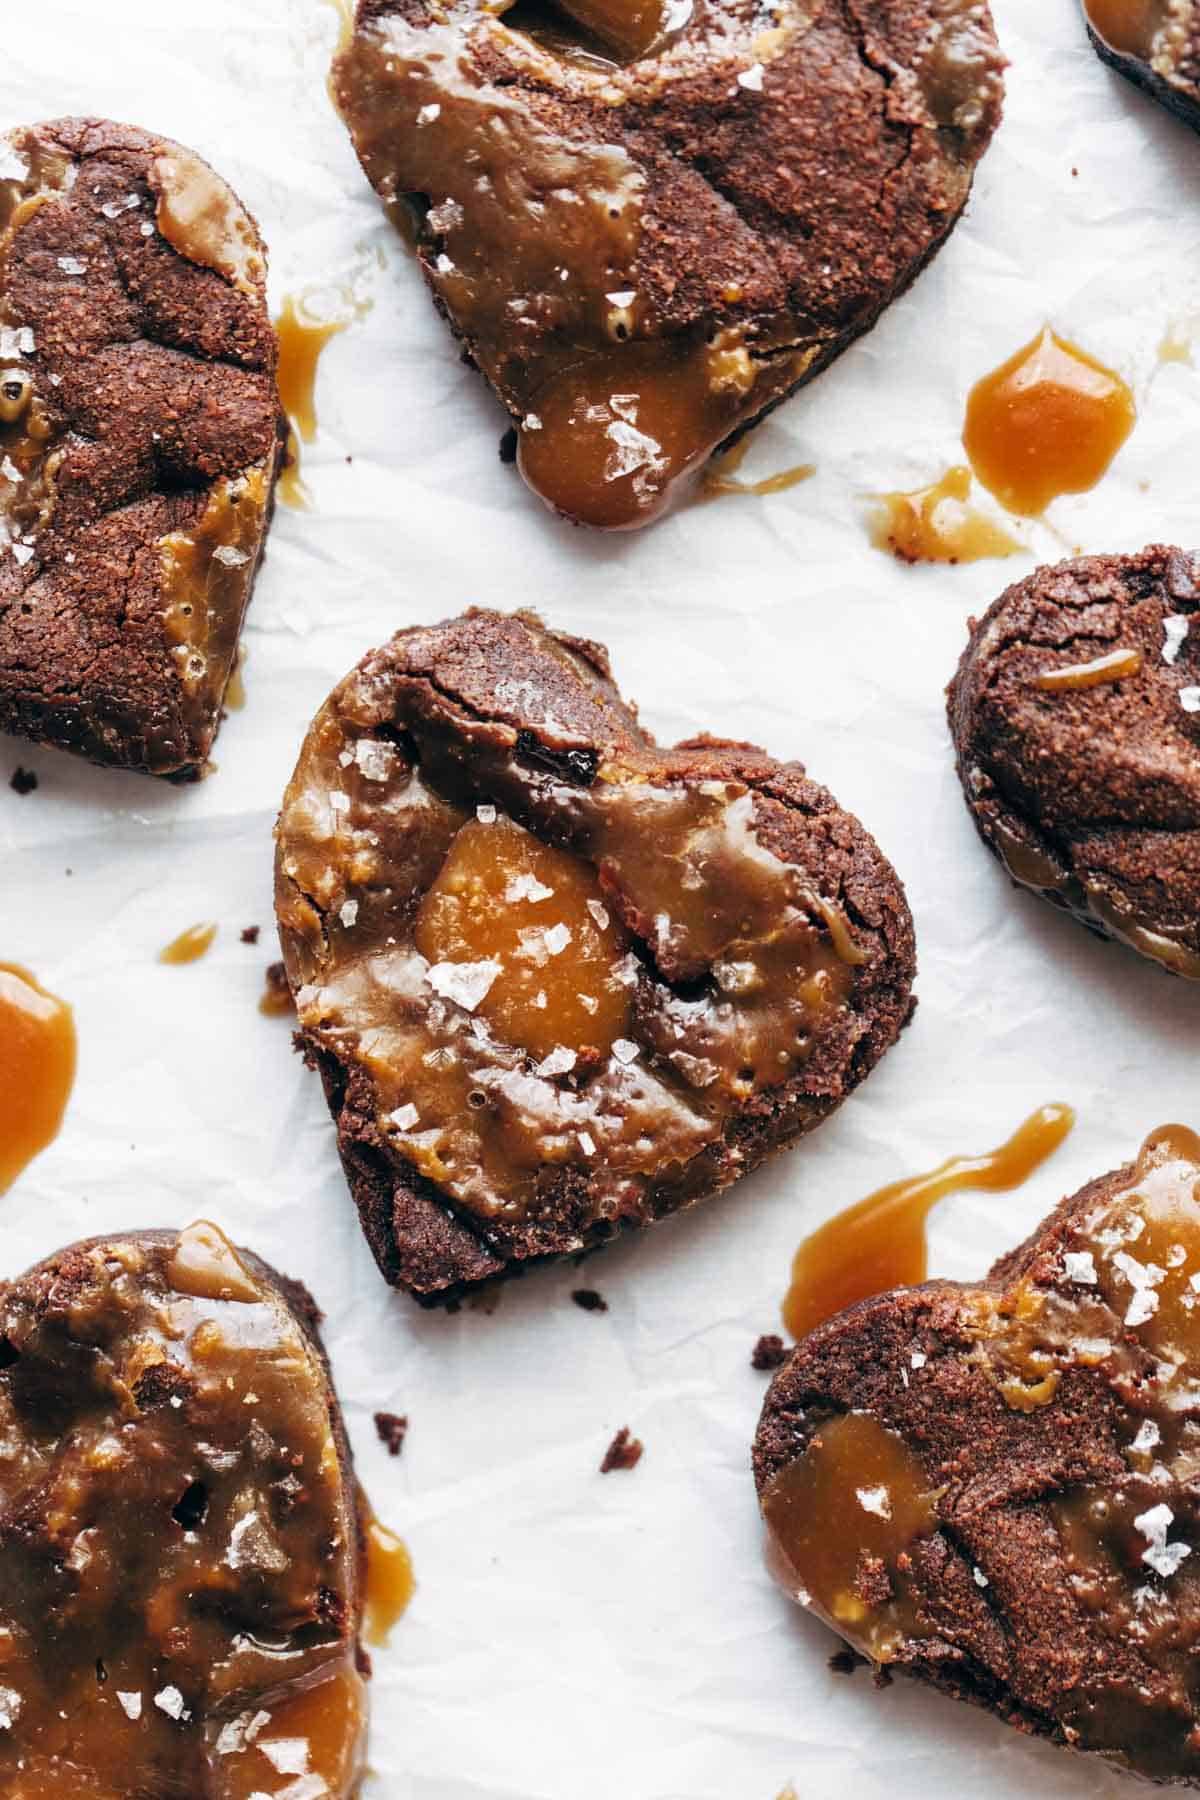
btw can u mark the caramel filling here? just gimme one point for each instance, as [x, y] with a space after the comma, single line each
[207, 574]
[937, 524]
[1129, 26]
[174, 1616]
[201, 218]
[37, 1069]
[1115, 665]
[879, 1243]
[1047, 422]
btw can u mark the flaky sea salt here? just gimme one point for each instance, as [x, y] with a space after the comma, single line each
[1189, 699]
[72, 265]
[625, 1050]
[486, 815]
[373, 758]
[339, 802]
[9, 470]
[981, 1579]
[348, 913]
[466, 983]
[752, 78]
[599, 914]
[22, 554]
[1175, 630]
[1162, 1557]
[918, 1359]
[131, 1704]
[559, 1062]
[147, 228]
[557, 939]
[230, 555]
[1080, 1266]
[427, 114]
[587, 1143]
[170, 1701]
[526, 887]
[875, 1500]
[1148, 1436]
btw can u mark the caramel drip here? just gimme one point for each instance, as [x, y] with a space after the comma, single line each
[719, 477]
[1047, 422]
[1116, 665]
[858, 1473]
[37, 1069]
[301, 341]
[936, 524]
[190, 945]
[390, 1581]
[1128, 26]
[207, 574]
[202, 219]
[879, 1243]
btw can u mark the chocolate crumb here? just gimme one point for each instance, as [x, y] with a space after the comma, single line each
[508, 446]
[24, 781]
[589, 1300]
[770, 1352]
[250, 934]
[845, 1661]
[624, 1452]
[392, 1428]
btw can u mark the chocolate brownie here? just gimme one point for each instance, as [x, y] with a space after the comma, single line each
[1075, 715]
[557, 980]
[648, 223]
[180, 1540]
[993, 1487]
[1155, 44]
[140, 438]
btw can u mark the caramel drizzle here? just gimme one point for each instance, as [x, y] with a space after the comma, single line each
[879, 1243]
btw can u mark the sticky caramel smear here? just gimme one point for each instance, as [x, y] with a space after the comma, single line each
[857, 1493]
[37, 1069]
[301, 341]
[291, 487]
[1128, 26]
[1118, 665]
[390, 1583]
[936, 524]
[880, 1242]
[190, 945]
[719, 477]
[1047, 422]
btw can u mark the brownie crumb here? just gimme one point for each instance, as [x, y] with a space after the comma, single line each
[508, 445]
[24, 781]
[589, 1300]
[391, 1428]
[250, 934]
[845, 1661]
[624, 1452]
[770, 1352]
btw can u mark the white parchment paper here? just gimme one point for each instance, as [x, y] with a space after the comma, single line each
[573, 1637]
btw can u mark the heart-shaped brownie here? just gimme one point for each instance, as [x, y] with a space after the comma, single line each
[557, 980]
[140, 436]
[648, 222]
[1075, 715]
[997, 1488]
[1156, 45]
[180, 1539]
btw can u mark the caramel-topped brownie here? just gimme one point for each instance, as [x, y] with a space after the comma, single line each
[1155, 44]
[140, 437]
[1075, 715]
[648, 221]
[180, 1541]
[993, 1487]
[558, 980]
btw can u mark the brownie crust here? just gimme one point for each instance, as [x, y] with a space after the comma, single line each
[140, 438]
[1089, 791]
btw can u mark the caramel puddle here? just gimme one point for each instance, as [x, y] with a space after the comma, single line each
[190, 945]
[936, 524]
[37, 1069]
[390, 1582]
[1047, 422]
[879, 1243]
[303, 335]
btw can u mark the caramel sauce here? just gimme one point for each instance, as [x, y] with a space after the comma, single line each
[936, 524]
[321, 1729]
[1128, 26]
[720, 475]
[301, 341]
[37, 1069]
[190, 945]
[201, 218]
[514, 1024]
[390, 1582]
[207, 574]
[1047, 422]
[1115, 665]
[879, 1243]
[864, 1476]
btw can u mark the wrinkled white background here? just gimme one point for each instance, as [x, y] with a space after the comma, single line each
[572, 1637]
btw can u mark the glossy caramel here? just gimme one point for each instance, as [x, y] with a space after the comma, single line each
[1128, 26]
[1047, 422]
[203, 220]
[190, 945]
[301, 341]
[1114, 665]
[879, 1243]
[37, 1069]
[207, 574]
[390, 1582]
[937, 524]
[855, 1472]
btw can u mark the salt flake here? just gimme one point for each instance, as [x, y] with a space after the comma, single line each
[1080, 1266]
[557, 939]
[875, 1500]
[170, 1701]
[72, 265]
[625, 1050]
[466, 983]
[486, 815]
[1189, 699]
[232, 557]
[599, 914]
[1175, 630]
[131, 1704]
[559, 1062]
[349, 913]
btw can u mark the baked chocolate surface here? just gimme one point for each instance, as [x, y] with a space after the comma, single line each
[140, 437]
[1156, 45]
[1075, 714]
[648, 221]
[993, 1488]
[180, 1547]
[559, 981]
